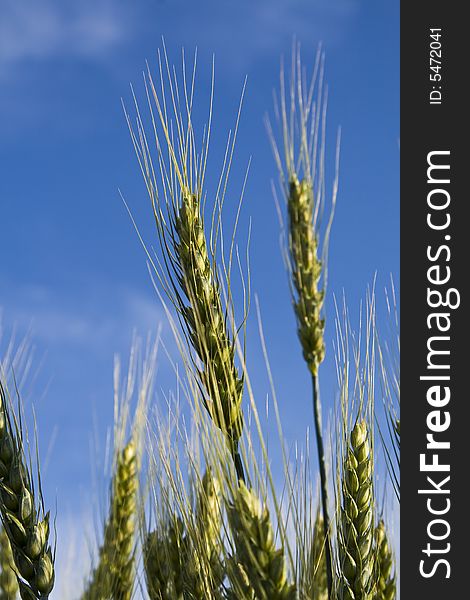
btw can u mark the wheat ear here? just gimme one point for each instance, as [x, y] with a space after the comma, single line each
[258, 560]
[114, 575]
[386, 584]
[185, 555]
[207, 570]
[27, 528]
[8, 581]
[303, 185]
[165, 552]
[306, 272]
[308, 304]
[207, 325]
[356, 550]
[316, 584]
[187, 271]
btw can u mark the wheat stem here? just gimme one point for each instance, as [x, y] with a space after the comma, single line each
[323, 479]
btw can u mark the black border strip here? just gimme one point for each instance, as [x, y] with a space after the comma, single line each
[426, 128]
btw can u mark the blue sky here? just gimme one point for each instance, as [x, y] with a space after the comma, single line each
[72, 270]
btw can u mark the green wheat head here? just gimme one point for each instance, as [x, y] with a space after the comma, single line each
[259, 565]
[26, 526]
[187, 271]
[184, 563]
[114, 575]
[306, 272]
[356, 529]
[301, 164]
[206, 322]
[206, 562]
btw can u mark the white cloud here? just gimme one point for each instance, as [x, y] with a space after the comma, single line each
[101, 320]
[31, 30]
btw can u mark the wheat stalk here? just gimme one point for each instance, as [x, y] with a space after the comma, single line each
[207, 571]
[308, 303]
[259, 563]
[164, 562]
[386, 584]
[356, 527]
[306, 272]
[183, 554]
[114, 575]
[187, 271]
[206, 323]
[302, 173]
[8, 581]
[27, 528]
[316, 579]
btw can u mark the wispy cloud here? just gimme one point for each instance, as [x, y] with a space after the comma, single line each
[245, 31]
[35, 31]
[100, 322]
[73, 561]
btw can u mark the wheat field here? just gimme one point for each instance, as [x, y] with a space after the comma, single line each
[198, 510]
